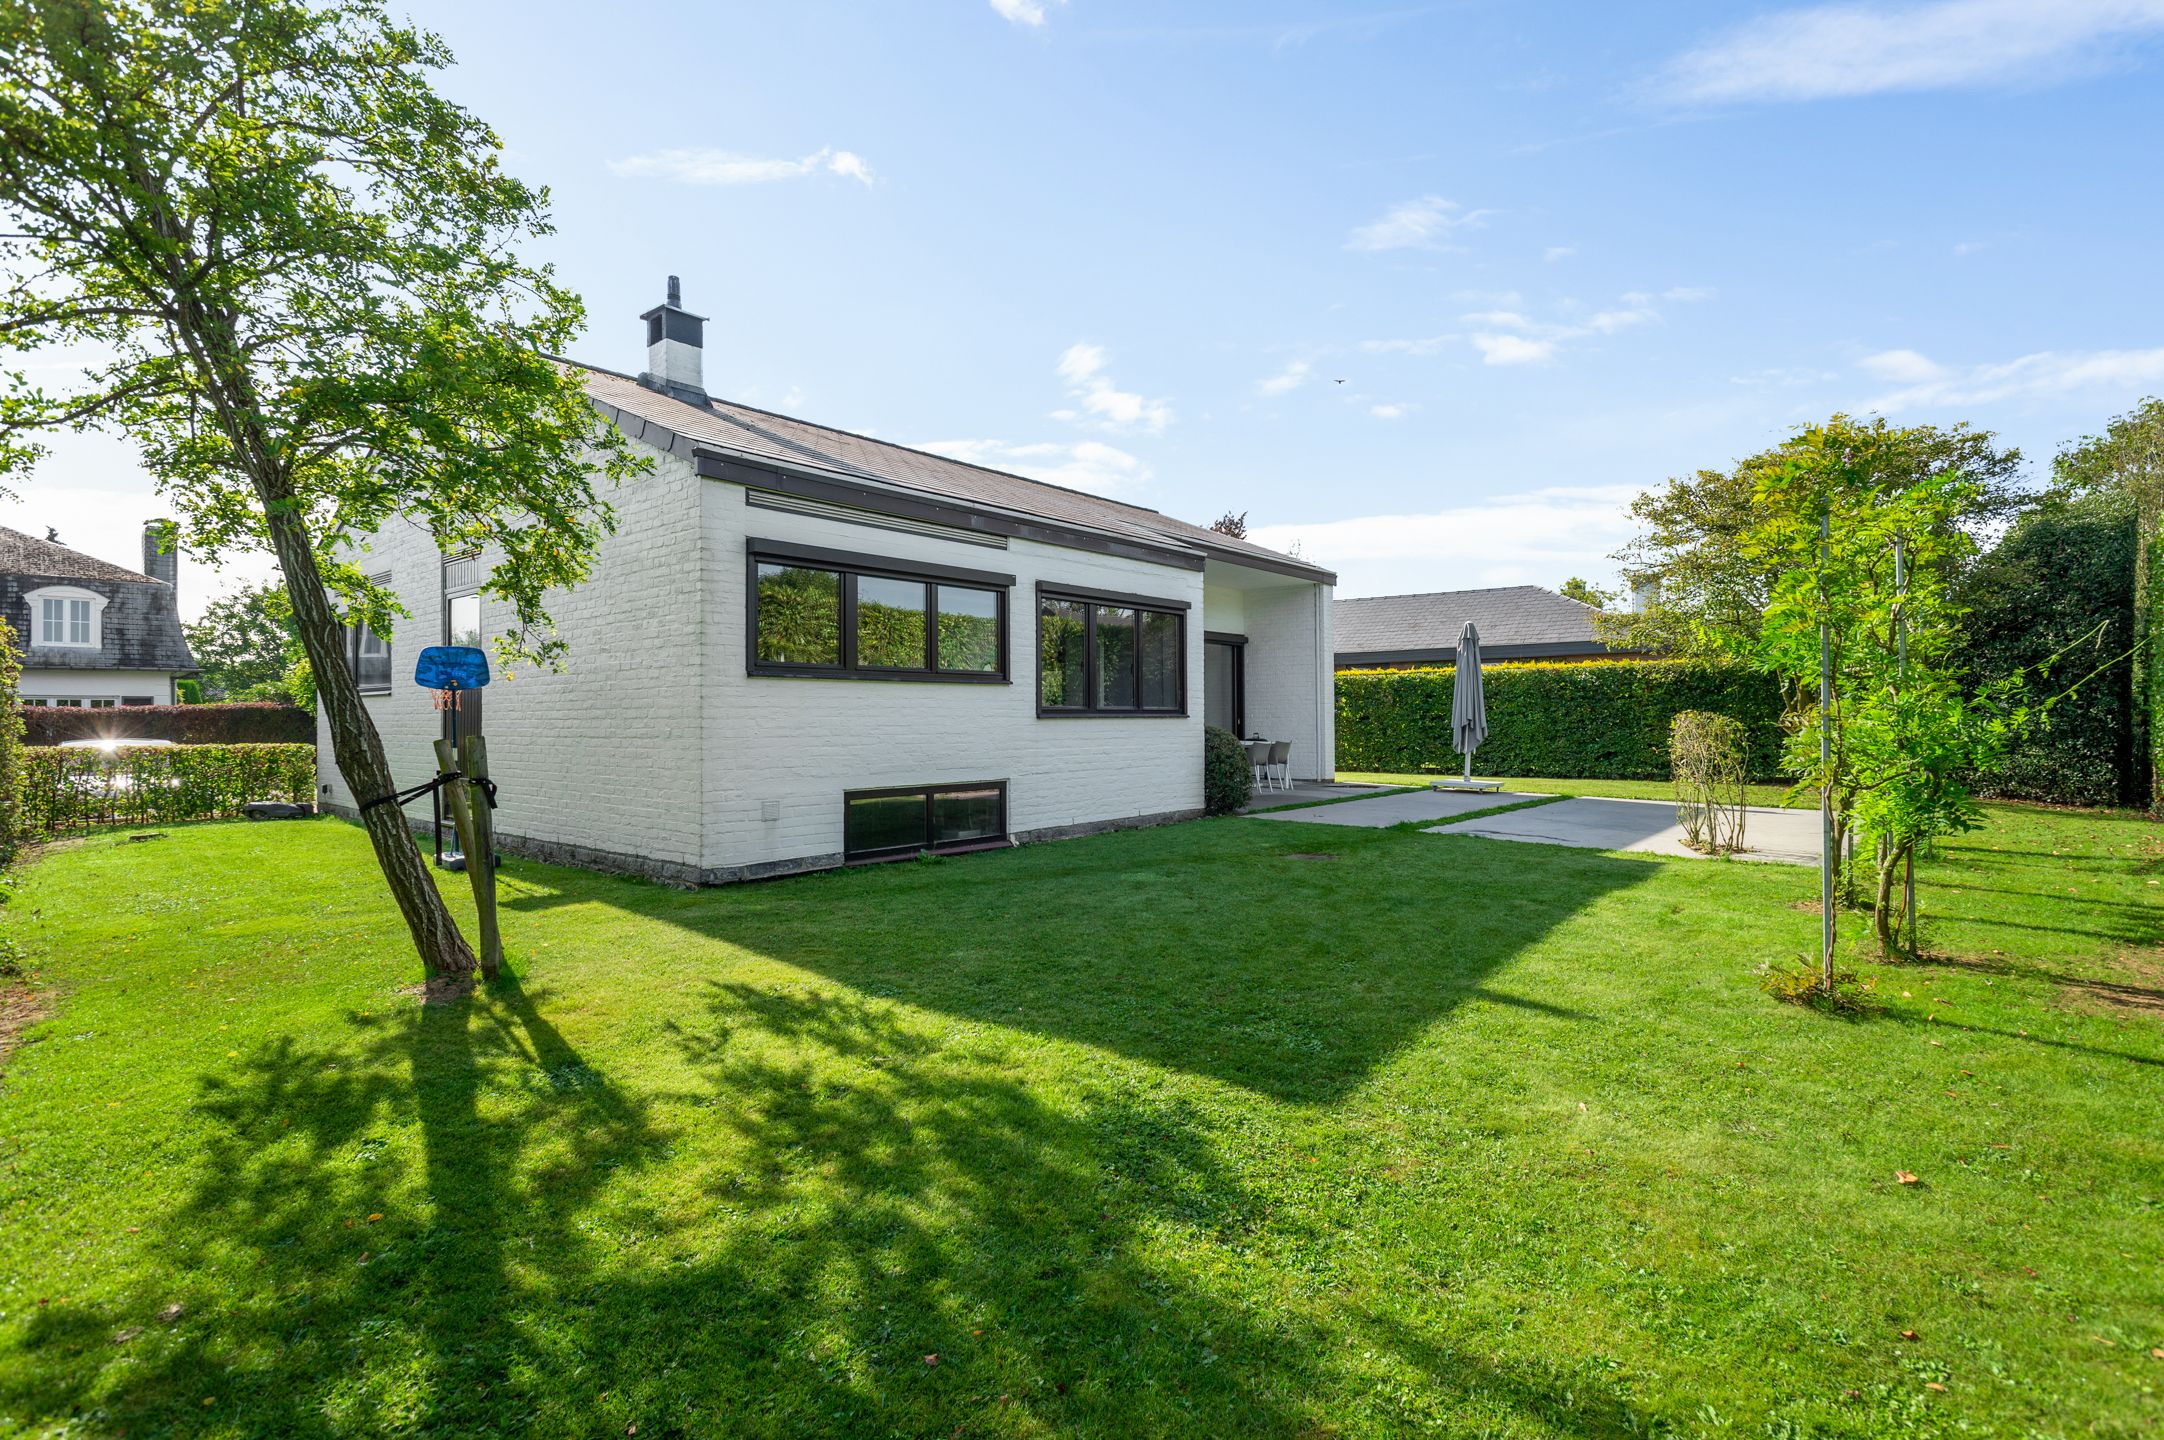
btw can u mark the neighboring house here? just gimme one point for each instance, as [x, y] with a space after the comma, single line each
[93, 633]
[1517, 622]
[803, 647]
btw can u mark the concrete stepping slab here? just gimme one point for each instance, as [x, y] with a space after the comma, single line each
[1386, 810]
[1781, 837]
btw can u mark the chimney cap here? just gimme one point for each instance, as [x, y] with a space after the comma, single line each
[675, 303]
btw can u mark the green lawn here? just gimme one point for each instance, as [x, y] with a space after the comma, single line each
[1232, 1128]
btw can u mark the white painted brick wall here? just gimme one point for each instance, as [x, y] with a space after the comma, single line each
[802, 743]
[654, 744]
[1290, 694]
[605, 752]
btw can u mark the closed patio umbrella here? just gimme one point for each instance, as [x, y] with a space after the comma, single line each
[1468, 707]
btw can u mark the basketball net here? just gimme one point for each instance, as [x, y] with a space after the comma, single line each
[445, 699]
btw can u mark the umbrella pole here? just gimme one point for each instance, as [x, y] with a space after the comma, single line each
[1468, 767]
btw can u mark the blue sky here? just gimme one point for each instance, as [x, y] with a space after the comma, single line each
[1429, 290]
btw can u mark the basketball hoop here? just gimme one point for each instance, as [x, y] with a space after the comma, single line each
[445, 699]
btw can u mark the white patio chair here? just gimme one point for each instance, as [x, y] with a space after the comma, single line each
[1280, 766]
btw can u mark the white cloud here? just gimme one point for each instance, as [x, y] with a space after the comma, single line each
[1513, 350]
[1022, 12]
[726, 167]
[1082, 367]
[1291, 378]
[1864, 49]
[1558, 252]
[2043, 375]
[1421, 224]
[1687, 294]
[1904, 367]
[1535, 538]
[1637, 312]
[1088, 465]
[1497, 320]
[1390, 410]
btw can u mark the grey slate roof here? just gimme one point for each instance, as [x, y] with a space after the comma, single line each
[1517, 622]
[753, 435]
[140, 626]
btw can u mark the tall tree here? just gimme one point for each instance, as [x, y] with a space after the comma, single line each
[1231, 524]
[296, 265]
[2128, 458]
[244, 643]
[1585, 592]
[1714, 589]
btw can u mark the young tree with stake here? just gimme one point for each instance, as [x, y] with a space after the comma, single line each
[294, 266]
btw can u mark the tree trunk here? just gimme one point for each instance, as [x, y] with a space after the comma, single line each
[2148, 697]
[1884, 920]
[359, 752]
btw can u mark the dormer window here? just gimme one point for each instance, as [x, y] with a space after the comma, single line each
[67, 618]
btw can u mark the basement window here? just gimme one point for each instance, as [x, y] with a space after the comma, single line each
[892, 824]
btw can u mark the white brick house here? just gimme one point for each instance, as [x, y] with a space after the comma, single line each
[804, 647]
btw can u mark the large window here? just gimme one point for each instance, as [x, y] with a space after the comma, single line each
[1103, 654]
[369, 653]
[828, 613]
[886, 824]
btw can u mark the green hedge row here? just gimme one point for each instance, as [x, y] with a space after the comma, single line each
[73, 789]
[1598, 720]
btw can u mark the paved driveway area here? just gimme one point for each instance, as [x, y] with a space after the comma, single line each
[1783, 837]
[1386, 810]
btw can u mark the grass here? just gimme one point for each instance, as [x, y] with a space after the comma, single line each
[1617, 789]
[1181, 1132]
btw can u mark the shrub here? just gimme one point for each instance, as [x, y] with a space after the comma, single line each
[1228, 781]
[188, 692]
[158, 784]
[1709, 756]
[251, 724]
[1595, 720]
[2061, 573]
[11, 747]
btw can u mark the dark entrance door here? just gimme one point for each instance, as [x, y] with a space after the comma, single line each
[1224, 683]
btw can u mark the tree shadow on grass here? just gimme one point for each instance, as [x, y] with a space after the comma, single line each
[328, 1279]
[1207, 948]
[837, 1220]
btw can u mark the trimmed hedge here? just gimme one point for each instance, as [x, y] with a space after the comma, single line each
[11, 749]
[246, 723]
[158, 784]
[1588, 720]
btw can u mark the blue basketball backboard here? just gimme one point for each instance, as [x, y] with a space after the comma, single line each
[451, 667]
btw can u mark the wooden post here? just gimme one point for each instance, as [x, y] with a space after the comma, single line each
[459, 794]
[481, 857]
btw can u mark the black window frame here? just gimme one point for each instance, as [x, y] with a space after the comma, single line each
[929, 794]
[850, 566]
[354, 632]
[1092, 601]
[1237, 644]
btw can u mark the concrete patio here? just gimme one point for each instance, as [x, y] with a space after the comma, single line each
[1306, 792]
[1383, 811]
[1780, 837]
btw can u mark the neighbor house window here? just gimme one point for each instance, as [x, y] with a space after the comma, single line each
[885, 824]
[368, 653]
[818, 612]
[67, 616]
[1102, 654]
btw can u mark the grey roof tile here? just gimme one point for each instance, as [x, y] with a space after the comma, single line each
[759, 434]
[1509, 616]
[141, 624]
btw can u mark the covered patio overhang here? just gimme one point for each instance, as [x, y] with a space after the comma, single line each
[1267, 661]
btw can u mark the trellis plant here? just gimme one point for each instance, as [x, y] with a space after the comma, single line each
[1902, 733]
[292, 268]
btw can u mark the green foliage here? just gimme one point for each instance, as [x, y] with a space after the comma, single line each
[2050, 610]
[1710, 756]
[188, 692]
[12, 828]
[1799, 982]
[1604, 719]
[77, 788]
[1585, 592]
[1228, 779]
[1714, 590]
[1894, 744]
[2127, 461]
[245, 643]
